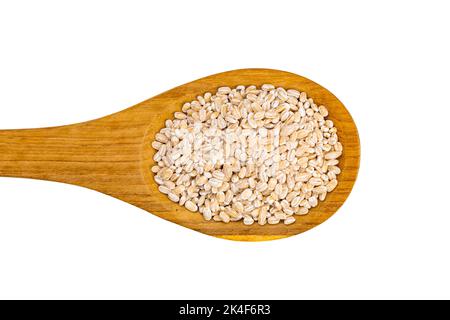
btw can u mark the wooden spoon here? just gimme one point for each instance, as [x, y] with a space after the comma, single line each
[113, 154]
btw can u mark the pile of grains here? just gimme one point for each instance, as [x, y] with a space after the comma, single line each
[262, 155]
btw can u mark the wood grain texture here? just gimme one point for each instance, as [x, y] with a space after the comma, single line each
[113, 154]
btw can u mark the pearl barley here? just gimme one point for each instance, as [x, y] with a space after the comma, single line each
[263, 155]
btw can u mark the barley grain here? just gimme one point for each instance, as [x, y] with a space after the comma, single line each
[289, 220]
[173, 197]
[248, 220]
[273, 220]
[191, 206]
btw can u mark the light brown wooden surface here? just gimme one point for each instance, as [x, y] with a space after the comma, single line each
[113, 154]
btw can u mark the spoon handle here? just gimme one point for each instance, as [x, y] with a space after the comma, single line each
[99, 155]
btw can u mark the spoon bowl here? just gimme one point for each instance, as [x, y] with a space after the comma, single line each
[113, 155]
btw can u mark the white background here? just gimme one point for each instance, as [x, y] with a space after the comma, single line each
[388, 61]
